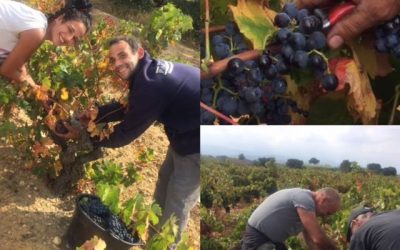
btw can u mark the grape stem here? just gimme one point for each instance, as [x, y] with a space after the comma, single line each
[218, 114]
[395, 103]
[220, 66]
[322, 55]
[207, 32]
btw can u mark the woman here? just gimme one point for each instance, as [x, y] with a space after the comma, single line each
[23, 29]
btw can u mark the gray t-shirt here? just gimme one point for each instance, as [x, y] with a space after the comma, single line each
[381, 232]
[277, 216]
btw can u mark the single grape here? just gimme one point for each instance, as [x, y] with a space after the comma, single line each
[236, 66]
[252, 94]
[391, 41]
[298, 41]
[282, 20]
[279, 86]
[300, 59]
[310, 24]
[283, 35]
[291, 10]
[217, 39]
[317, 63]
[329, 82]
[254, 76]
[287, 52]
[222, 50]
[318, 40]
[301, 14]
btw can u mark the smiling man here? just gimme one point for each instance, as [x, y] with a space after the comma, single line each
[170, 94]
[289, 212]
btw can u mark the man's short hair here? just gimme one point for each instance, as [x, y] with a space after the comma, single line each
[331, 194]
[132, 41]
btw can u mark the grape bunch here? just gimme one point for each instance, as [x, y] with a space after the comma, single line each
[258, 87]
[228, 43]
[388, 37]
[96, 210]
[119, 230]
[102, 216]
[302, 44]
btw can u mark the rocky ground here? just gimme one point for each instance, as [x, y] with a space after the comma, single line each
[32, 217]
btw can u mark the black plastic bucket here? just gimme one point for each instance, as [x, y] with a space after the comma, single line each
[83, 228]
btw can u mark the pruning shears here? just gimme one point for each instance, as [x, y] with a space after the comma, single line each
[337, 13]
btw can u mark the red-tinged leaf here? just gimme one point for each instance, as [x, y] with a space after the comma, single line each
[254, 21]
[361, 99]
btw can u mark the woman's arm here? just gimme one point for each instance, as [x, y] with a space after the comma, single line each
[13, 67]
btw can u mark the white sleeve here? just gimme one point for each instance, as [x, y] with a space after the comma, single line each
[17, 17]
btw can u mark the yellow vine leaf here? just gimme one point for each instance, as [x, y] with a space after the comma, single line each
[254, 21]
[64, 94]
[41, 94]
[361, 99]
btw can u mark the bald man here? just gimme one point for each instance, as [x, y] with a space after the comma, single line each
[367, 14]
[289, 212]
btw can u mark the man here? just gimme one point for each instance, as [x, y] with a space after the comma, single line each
[367, 229]
[368, 13]
[169, 93]
[289, 212]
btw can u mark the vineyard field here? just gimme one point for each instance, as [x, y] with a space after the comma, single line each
[233, 189]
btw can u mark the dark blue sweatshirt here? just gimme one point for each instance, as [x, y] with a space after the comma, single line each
[158, 91]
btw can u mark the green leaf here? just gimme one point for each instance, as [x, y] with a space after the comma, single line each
[128, 211]
[46, 82]
[109, 195]
[254, 21]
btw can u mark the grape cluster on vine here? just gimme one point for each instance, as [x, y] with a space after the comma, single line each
[388, 37]
[258, 88]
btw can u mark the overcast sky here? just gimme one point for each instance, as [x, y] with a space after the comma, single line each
[330, 144]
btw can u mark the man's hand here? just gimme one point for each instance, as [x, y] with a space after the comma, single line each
[64, 130]
[366, 14]
[88, 115]
[313, 230]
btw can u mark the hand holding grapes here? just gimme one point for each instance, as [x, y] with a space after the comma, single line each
[366, 14]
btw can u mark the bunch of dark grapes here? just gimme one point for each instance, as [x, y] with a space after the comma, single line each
[228, 43]
[118, 229]
[388, 37]
[258, 88]
[302, 43]
[96, 210]
[102, 216]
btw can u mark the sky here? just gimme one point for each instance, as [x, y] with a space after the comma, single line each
[329, 144]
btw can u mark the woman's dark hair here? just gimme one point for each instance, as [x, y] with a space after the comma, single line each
[74, 10]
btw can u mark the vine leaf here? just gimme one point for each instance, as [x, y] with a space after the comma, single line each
[374, 63]
[361, 99]
[302, 100]
[254, 21]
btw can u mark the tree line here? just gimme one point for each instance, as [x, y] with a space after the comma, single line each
[345, 166]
